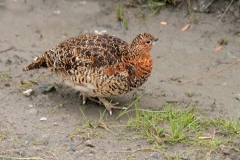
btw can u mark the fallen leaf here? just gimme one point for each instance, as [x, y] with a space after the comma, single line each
[239, 41]
[218, 48]
[186, 27]
[163, 23]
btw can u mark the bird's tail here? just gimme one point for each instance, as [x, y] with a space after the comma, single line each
[38, 62]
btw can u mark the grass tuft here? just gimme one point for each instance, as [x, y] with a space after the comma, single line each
[121, 17]
[170, 125]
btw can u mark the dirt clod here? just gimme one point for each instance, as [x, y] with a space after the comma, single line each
[89, 143]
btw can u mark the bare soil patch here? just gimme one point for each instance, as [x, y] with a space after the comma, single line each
[55, 124]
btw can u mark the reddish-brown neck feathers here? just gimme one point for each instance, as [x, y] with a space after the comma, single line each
[137, 62]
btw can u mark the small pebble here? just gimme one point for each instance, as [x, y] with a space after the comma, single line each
[155, 155]
[89, 143]
[44, 88]
[238, 97]
[78, 155]
[90, 155]
[34, 45]
[184, 157]
[28, 92]
[29, 139]
[100, 32]
[45, 142]
[43, 119]
[7, 84]
[57, 12]
[55, 124]
[225, 149]
[32, 111]
[72, 148]
[9, 62]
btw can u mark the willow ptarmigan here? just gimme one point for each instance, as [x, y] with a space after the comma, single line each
[100, 65]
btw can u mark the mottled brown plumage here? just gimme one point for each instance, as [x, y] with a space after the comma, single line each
[100, 65]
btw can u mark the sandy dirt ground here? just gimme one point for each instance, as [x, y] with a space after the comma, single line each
[33, 27]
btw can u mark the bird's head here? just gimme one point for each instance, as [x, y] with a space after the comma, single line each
[143, 43]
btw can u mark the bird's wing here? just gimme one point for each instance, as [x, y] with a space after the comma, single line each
[87, 50]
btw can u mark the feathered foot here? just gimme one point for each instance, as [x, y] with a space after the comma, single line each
[109, 106]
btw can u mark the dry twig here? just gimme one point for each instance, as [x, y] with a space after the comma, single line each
[7, 49]
[224, 13]
[54, 156]
[212, 74]
[133, 151]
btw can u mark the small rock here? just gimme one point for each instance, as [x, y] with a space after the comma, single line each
[16, 56]
[89, 143]
[238, 97]
[72, 148]
[28, 92]
[7, 84]
[9, 62]
[202, 5]
[43, 119]
[225, 149]
[33, 111]
[184, 157]
[55, 124]
[29, 139]
[34, 45]
[46, 88]
[90, 155]
[57, 12]
[78, 155]
[100, 32]
[45, 142]
[155, 156]
[228, 159]
[56, 107]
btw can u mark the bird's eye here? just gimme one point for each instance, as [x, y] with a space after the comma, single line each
[148, 42]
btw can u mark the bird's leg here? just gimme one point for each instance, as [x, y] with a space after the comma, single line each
[109, 106]
[85, 97]
[94, 100]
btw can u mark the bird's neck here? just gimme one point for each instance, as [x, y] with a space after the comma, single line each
[139, 69]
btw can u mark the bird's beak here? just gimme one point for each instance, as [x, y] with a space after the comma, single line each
[154, 40]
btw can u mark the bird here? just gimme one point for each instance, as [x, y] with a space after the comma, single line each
[100, 65]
